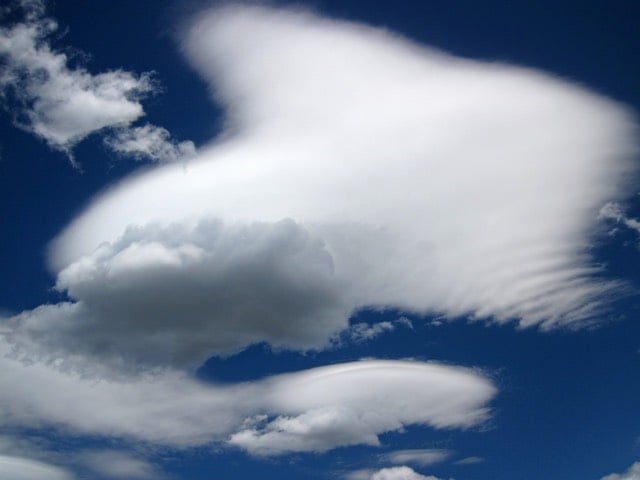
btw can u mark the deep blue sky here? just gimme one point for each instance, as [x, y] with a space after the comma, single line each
[567, 406]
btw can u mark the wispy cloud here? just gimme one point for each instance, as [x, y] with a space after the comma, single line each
[422, 457]
[149, 142]
[633, 473]
[312, 410]
[614, 211]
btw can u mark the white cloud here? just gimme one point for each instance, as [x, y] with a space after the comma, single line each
[61, 104]
[362, 331]
[352, 403]
[22, 468]
[117, 465]
[64, 104]
[428, 183]
[173, 409]
[614, 211]
[391, 473]
[633, 473]
[469, 461]
[149, 142]
[422, 457]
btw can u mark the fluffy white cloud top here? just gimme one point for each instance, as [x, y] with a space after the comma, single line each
[312, 410]
[421, 181]
[633, 473]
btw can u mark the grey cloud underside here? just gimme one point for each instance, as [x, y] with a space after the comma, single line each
[176, 295]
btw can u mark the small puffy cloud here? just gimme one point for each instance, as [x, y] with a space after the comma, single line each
[321, 408]
[149, 142]
[59, 103]
[117, 465]
[22, 468]
[633, 473]
[63, 104]
[422, 457]
[390, 473]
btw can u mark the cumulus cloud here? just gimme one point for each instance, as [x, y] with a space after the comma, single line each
[633, 473]
[177, 295]
[428, 183]
[173, 409]
[422, 457]
[22, 468]
[63, 104]
[391, 473]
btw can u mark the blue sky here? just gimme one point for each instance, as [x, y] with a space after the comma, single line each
[359, 240]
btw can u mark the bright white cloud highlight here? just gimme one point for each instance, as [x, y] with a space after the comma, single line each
[359, 400]
[633, 473]
[429, 183]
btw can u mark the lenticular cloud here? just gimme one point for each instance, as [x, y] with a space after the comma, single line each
[419, 180]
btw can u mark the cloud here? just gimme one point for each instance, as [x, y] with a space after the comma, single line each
[22, 468]
[360, 332]
[469, 461]
[177, 295]
[352, 403]
[391, 473]
[63, 104]
[151, 143]
[422, 457]
[614, 211]
[633, 473]
[428, 183]
[173, 409]
[117, 465]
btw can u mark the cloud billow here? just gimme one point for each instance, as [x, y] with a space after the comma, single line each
[421, 181]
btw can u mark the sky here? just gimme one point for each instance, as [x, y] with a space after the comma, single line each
[326, 240]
